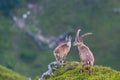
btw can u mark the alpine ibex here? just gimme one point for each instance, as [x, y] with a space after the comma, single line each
[61, 51]
[86, 56]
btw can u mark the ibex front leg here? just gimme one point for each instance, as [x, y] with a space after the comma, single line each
[83, 66]
[57, 57]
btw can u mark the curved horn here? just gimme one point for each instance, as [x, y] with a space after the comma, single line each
[84, 35]
[77, 35]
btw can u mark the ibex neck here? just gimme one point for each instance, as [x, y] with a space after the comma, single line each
[69, 44]
[81, 45]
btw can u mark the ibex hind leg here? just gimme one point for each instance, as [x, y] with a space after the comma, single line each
[90, 70]
[64, 59]
[89, 67]
[83, 67]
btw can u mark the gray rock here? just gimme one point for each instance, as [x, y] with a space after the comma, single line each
[52, 66]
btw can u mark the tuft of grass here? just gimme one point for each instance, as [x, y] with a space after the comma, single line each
[71, 71]
[7, 74]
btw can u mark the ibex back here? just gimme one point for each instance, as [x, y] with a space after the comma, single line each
[61, 51]
[85, 53]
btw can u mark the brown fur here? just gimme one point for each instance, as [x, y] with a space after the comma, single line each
[61, 51]
[85, 53]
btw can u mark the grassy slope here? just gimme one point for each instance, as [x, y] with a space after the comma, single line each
[72, 72]
[7, 74]
[66, 15]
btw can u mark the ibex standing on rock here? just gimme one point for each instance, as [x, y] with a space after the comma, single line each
[86, 56]
[61, 51]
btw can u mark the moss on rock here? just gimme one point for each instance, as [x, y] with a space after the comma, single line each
[7, 74]
[71, 71]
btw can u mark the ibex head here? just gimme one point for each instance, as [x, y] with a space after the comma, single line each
[68, 39]
[79, 40]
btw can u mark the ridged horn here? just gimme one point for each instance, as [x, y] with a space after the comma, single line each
[77, 35]
[84, 35]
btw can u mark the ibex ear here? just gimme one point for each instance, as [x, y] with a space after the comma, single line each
[68, 38]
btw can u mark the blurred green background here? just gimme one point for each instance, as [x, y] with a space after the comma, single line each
[22, 20]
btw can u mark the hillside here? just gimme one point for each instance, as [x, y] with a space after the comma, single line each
[7, 74]
[71, 71]
[53, 18]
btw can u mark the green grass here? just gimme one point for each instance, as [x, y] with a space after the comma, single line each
[7, 74]
[56, 18]
[71, 71]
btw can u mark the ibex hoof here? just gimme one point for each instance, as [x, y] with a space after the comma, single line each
[81, 71]
[90, 72]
